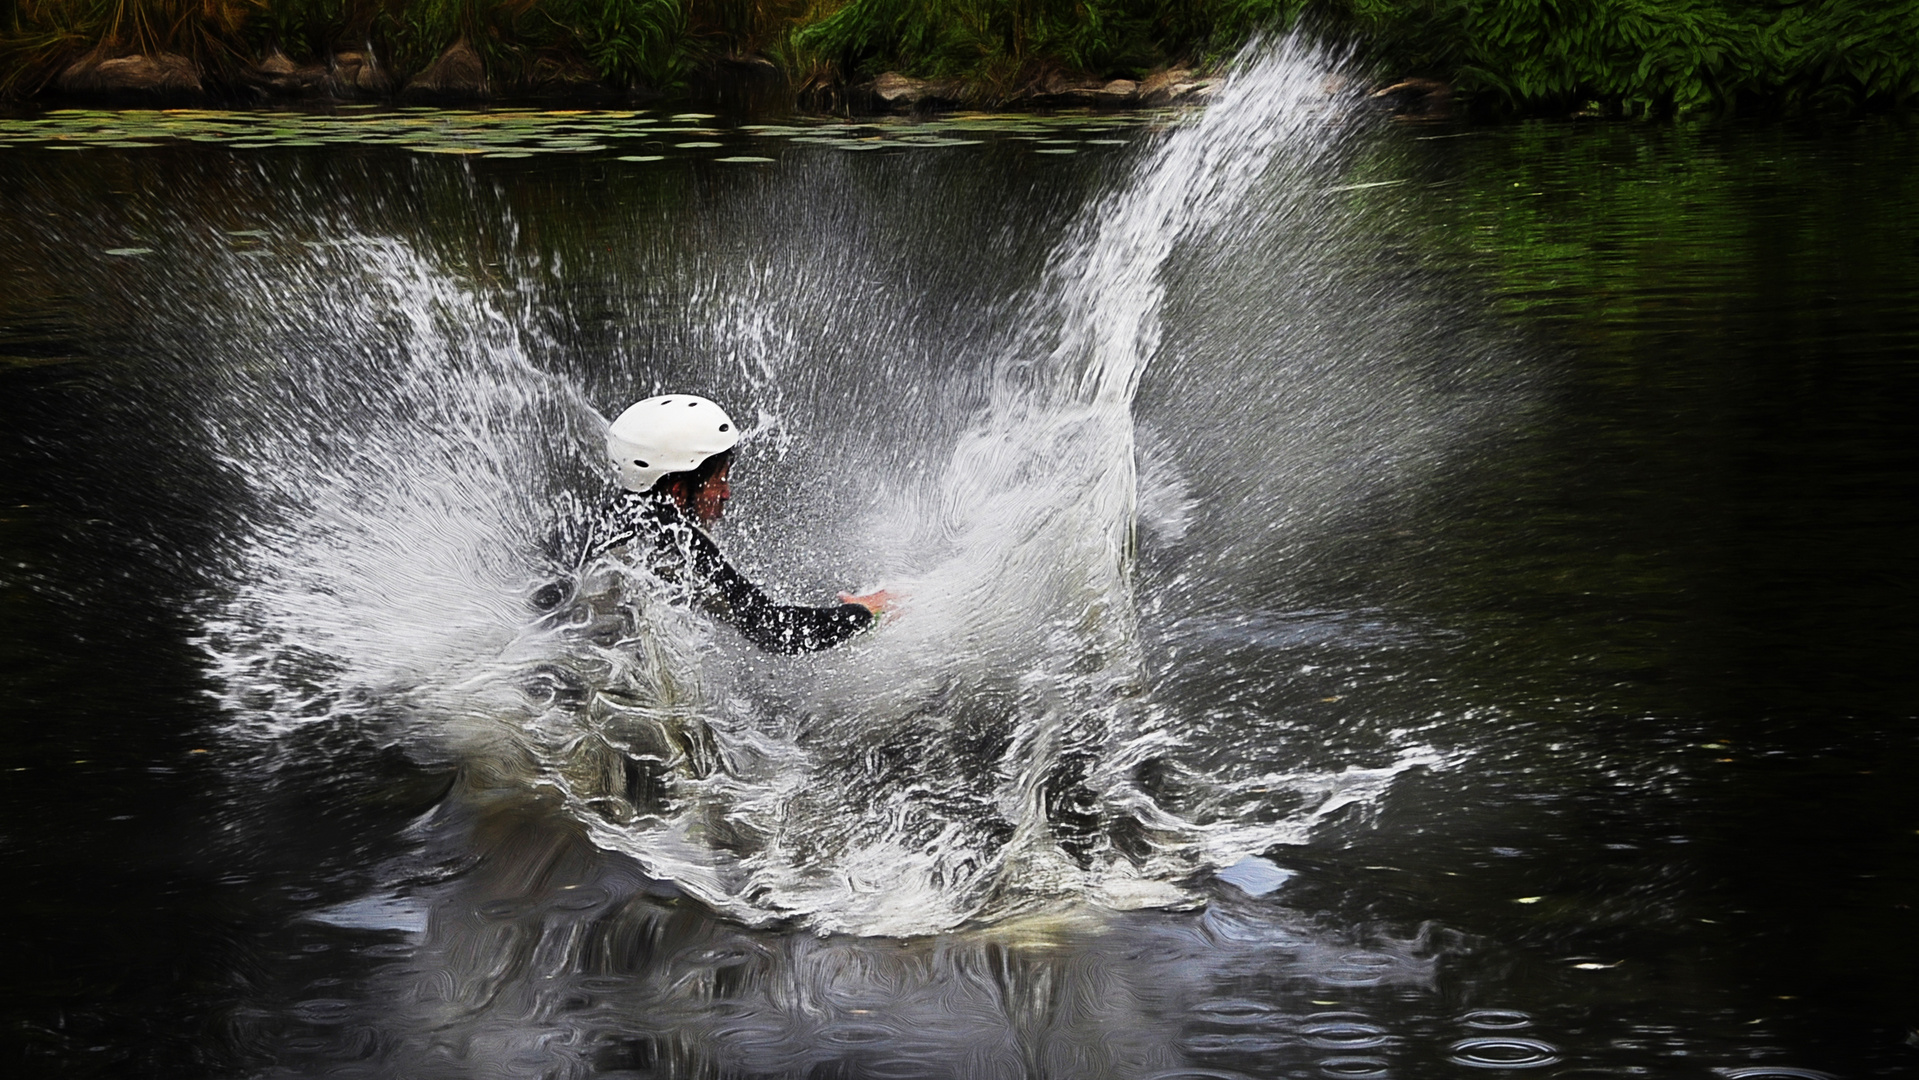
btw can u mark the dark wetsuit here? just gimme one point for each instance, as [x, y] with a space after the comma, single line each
[660, 535]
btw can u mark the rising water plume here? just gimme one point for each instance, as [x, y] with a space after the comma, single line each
[974, 759]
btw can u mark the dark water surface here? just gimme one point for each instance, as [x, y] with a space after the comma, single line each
[1563, 637]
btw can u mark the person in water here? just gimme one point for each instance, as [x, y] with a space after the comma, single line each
[674, 454]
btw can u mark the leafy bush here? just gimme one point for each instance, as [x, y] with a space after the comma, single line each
[1648, 57]
[993, 40]
[1640, 57]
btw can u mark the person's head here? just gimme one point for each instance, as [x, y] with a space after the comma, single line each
[701, 492]
[679, 444]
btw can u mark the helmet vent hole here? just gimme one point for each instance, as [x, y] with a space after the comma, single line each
[726, 427]
[692, 404]
[640, 463]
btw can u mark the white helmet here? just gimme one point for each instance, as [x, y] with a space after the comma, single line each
[667, 434]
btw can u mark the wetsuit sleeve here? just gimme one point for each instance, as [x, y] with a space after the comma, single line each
[780, 628]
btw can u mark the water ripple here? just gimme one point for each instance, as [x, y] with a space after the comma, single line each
[1216, 1043]
[1503, 1052]
[1354, 1066]
[1496, 1019]
[1239, 1012]
[1342, 1031]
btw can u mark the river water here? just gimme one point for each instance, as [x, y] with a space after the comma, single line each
[1384, 598]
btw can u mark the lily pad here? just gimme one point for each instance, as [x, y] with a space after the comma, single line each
[744, 159]
[698, 145]
[643, 157]
[692, 116]
[128, 251]
[1056, 150]
[501, 155]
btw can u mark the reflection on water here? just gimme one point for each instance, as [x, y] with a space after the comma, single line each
[1391, 602]
[551, 958]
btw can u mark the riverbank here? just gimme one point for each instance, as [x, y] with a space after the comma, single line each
[1486, 57]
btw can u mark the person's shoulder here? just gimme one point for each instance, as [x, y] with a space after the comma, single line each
[624, 518]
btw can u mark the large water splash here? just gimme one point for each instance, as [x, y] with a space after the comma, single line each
[974, 759]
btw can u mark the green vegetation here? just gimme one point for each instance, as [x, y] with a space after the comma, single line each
[1651, 56]
[1636, 57]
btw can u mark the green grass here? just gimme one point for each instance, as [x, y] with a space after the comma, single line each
[1635, 57]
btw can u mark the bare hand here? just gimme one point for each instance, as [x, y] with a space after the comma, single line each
[879, 601]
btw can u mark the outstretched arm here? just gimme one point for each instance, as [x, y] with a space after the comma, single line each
[780, 628]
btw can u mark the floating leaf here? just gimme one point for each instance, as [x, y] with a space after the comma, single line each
[643, 157]
[745, 159]
[698, 145]
[128, 251]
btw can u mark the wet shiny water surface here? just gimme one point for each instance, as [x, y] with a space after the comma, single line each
[1386, 600]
